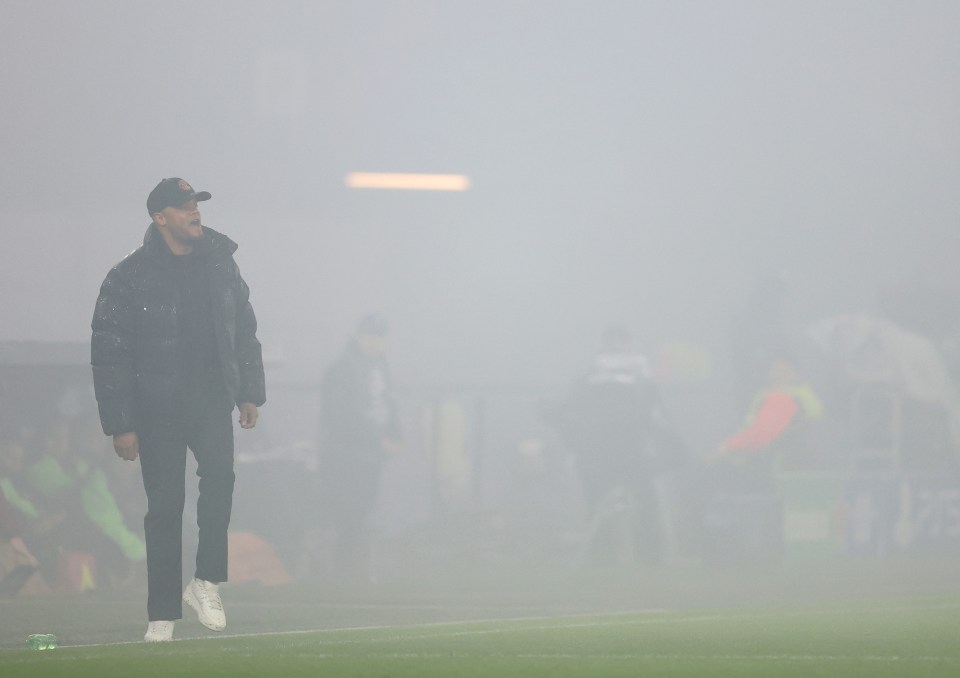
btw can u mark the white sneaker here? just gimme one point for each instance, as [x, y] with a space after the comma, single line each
[159, 632]
[204, 598]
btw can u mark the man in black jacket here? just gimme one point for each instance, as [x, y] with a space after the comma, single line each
[174, 350]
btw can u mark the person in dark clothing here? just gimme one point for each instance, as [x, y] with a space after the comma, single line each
[359, 428]
[615, 426]
[174, 350]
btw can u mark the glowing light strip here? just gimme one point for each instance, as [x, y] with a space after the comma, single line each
[408, 182]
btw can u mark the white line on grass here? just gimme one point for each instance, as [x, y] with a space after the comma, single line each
[348, 629]
[652, 616]
[637, 656]
[446, 656]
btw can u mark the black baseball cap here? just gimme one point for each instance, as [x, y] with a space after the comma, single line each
[173, 192]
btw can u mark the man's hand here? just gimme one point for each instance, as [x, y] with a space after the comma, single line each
[248, 415]
[127, 445]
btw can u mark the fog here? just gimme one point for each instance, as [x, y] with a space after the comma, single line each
[637, 163]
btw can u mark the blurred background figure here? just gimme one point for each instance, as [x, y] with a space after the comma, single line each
[17, 564]
[776, 427]
[70, 515]
[611, 423]
[33, 523]
[359, 428]
[743, 509]
[900, 399]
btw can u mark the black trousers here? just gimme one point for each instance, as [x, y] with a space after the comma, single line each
[204, 425]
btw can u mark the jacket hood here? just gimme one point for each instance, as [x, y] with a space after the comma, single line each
[212, 241]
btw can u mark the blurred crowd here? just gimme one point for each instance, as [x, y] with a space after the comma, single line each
[846, 394]
[67, 510]
[867, 396]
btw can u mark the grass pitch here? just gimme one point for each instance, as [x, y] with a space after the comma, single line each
[866, 640]
[843, 617]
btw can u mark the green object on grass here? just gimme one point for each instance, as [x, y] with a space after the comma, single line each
[42, 641]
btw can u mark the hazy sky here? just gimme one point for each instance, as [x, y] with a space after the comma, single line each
[631, 161]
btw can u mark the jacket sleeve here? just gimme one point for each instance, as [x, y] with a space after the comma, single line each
[252, 387]
[111, 354]
[101, 508]
[774, 416]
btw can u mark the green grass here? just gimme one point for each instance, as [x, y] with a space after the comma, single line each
[865, 640]
[834, 617]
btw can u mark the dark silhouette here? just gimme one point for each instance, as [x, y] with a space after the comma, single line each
[174, 351]
[359, 427]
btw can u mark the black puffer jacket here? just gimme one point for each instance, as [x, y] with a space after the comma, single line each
[134, 350]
